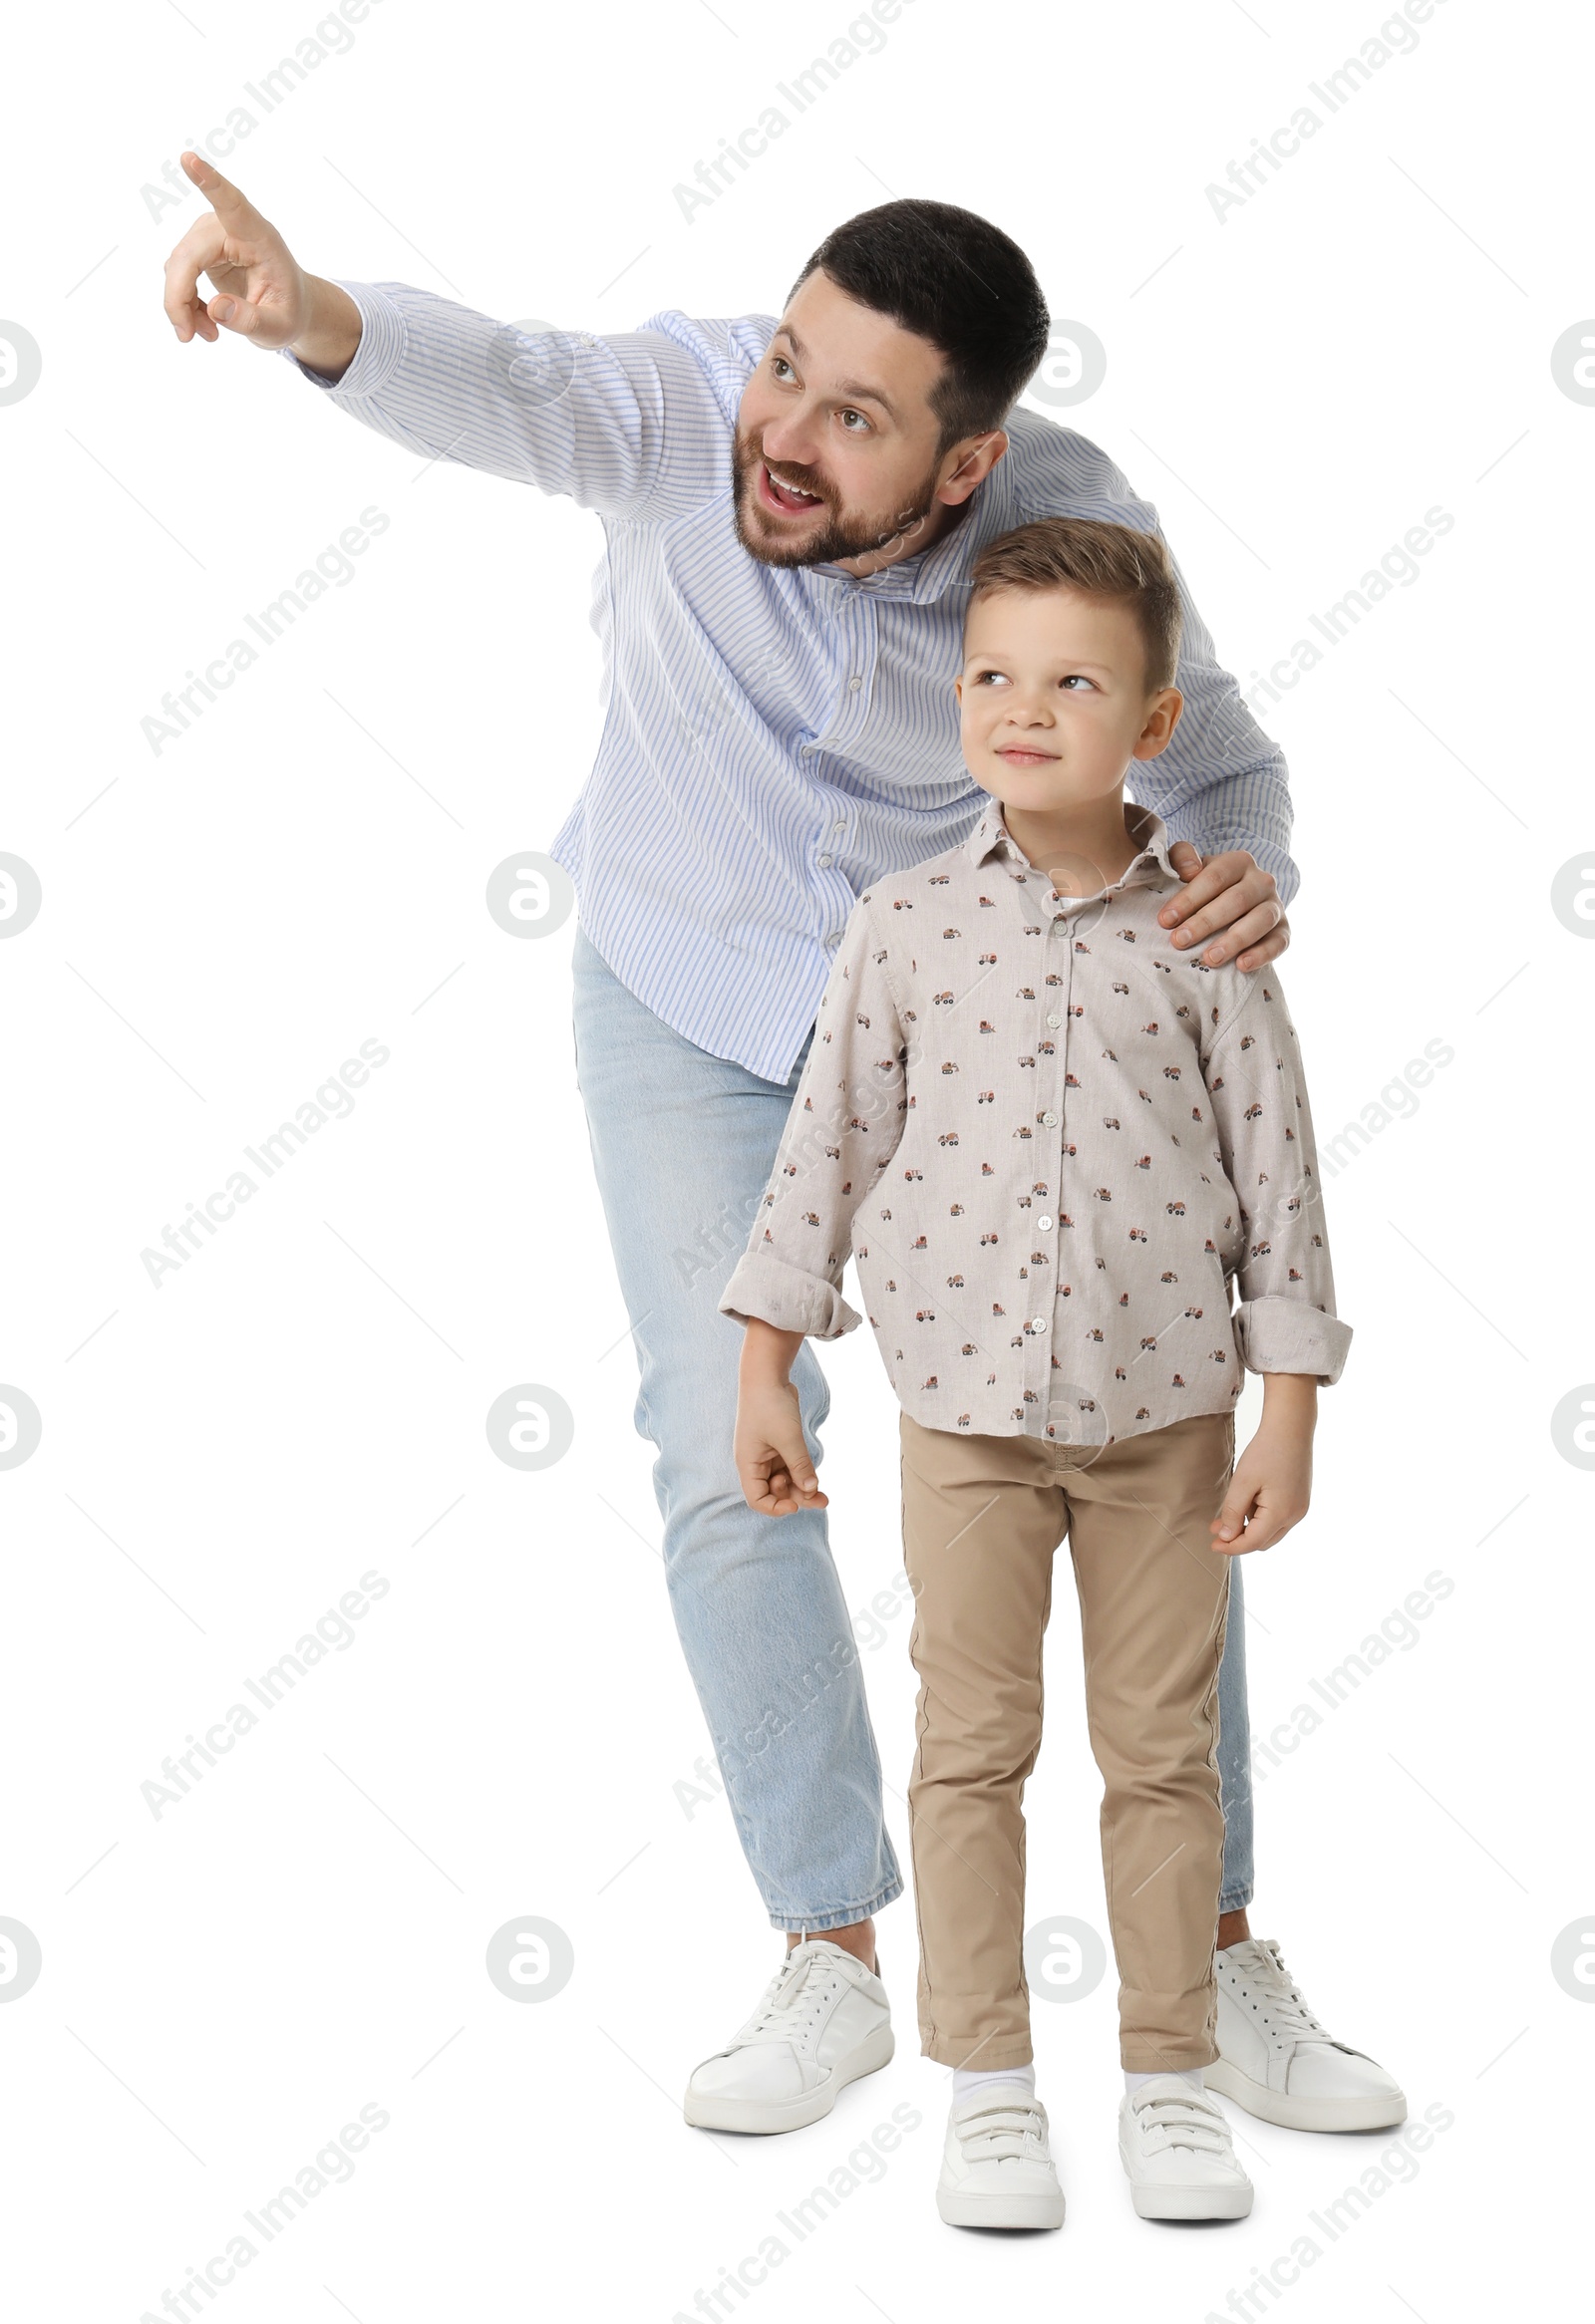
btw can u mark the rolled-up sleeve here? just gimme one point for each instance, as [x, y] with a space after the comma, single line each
[1285, 1320]
[845, 1123]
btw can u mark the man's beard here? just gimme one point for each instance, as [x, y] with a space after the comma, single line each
[844, 536]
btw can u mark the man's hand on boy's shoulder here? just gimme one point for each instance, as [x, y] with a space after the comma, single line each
[1230, 898]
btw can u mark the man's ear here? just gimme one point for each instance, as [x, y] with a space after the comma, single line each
[1161, 718]
[971, 463]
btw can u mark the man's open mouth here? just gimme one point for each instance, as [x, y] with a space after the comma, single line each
[787, 499]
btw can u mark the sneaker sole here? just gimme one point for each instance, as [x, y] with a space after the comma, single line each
[1192, 2202]
[1000, 2211]
[769, 2116]
[1304, 2113]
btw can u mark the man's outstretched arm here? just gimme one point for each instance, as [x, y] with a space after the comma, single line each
[570, 412]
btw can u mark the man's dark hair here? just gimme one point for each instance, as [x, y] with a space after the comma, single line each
[956, 280]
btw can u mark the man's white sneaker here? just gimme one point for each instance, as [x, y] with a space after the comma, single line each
[1276, 2060]
[997, 2168]
[823, 2022]
[1176, 2147]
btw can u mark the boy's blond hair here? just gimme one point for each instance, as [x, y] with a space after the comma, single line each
[1108, 561]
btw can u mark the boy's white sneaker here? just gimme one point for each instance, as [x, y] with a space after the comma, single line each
[823, 2022]
[1277, 2061]
[997, 2168]
[1176, 2147]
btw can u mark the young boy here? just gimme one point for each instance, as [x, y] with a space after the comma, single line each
[1054, 1139]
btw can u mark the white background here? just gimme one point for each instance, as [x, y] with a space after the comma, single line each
[1293, 386]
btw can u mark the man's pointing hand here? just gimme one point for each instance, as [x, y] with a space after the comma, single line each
[260, 292]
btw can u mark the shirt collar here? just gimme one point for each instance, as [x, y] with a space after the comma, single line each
[1151, 867]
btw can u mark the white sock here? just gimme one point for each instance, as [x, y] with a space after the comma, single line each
[1192, 2074]
[965, 2080]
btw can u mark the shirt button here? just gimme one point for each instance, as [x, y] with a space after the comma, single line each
[1052, 1018]
[1051, 1119]
[1044, 1226]
[826, 861]
[1038, 1322]
[853, 684]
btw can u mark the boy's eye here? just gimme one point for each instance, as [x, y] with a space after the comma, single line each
[1077, 679]
[991, 677]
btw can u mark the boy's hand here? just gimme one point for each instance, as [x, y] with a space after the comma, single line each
[1272, 1482]
[772, 1465]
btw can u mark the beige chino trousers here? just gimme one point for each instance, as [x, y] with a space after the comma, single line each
[982, 1518]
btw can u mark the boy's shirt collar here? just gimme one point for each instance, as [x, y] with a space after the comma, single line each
[1151, 867]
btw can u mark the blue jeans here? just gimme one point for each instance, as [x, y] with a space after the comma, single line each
[1235, 1753]
[683, 1144]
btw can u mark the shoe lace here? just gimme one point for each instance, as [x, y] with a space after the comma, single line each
[1282, 2006]
[795, 1998]
[1008, 2131]
[1193, 2122]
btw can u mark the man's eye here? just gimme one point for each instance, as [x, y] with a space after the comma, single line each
[859, 416]
[778, 364]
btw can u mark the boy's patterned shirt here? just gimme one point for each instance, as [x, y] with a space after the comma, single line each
[1053, 1142]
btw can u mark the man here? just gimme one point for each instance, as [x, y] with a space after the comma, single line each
[791, 511]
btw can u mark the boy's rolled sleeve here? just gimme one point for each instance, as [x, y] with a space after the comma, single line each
[1286, 1320]
[845, 1123]
[789, 1296]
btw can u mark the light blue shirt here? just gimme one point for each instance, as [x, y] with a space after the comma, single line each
[774, 739]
